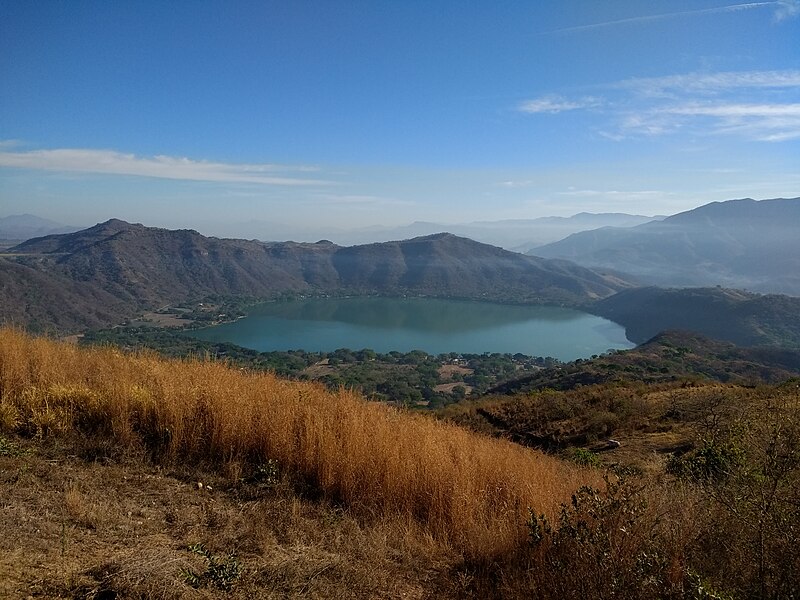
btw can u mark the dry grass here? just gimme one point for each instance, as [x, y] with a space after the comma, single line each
[371, 501]
[465, 490]
[76, 529]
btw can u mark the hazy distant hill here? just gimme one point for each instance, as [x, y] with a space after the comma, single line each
[518, 235]
[115, 269]
[740, 243]
[522, 235]
[24, 227]
[740, 317]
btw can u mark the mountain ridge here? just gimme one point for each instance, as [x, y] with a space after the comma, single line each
[517, 235]
[745, 243]
[142, 268]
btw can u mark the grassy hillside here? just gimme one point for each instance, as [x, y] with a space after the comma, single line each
[136, 476]
[467, 491]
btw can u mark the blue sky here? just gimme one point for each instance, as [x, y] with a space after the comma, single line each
[209, 114]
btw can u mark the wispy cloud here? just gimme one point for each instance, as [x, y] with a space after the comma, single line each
[758, 122]
[787, 9]
[712, 83]
[739, 110]
[630, 195]
[764, 122]
[757, 105]
[164, 167]
[514, 183]
[555, 104]
[783, 9]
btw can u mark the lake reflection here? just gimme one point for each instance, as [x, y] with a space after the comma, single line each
[433, 325]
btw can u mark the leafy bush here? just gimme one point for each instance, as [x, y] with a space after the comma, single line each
[221, 571]
[713, 461]
[583, 457]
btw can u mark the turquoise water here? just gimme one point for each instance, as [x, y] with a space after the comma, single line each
[433, 325]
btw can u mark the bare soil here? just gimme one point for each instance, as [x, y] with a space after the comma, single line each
[447, 371]
[448, 387]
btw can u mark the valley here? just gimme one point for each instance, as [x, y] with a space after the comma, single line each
[221, 485]
[400, 300]
[115, 270]
[678, 437]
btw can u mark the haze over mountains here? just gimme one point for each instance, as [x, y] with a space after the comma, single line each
[115, 269]
[25, 227]
[745, 243]
[518, 235]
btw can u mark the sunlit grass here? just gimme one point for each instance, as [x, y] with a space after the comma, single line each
[468, 491]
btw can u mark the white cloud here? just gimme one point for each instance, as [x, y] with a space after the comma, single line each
[761, 122]
[757, 105]
[554, 104]
[738, 110]
[165, 167]
[517, 183]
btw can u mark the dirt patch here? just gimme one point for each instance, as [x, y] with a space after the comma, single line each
[163, 320]
[447, 371]
[319, 369]
[448, 387]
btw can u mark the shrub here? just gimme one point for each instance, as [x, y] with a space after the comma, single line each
[221, 572]
[605, 544]
[583, 457]
[748, 471]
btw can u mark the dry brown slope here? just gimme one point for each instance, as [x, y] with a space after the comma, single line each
[468, 491]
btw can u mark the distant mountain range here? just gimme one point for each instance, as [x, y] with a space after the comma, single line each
[518, 235]
[25, 227]
[115, 269]
[746, 244]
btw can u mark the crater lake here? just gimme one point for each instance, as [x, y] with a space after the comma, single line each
[433, 325]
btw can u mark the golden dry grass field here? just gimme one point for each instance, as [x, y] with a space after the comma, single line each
[463, 494]
[134, 476]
